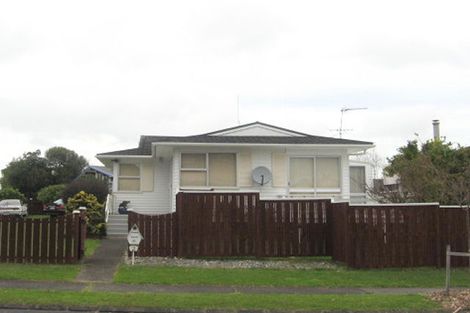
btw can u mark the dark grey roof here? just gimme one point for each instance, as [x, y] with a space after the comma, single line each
[100, 169]
[145, 144]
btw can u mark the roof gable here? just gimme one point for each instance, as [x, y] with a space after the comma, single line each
[256, 129]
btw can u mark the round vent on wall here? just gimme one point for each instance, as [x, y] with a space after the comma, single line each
[262, 175]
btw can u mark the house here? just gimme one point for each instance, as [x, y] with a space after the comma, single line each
[295, 165]
[98, 172]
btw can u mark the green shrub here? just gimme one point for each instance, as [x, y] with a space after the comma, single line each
[50, 193]
[97, 187]
[11, 193]
[96, 225]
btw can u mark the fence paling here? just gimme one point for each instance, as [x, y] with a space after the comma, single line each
[41, 241]
[240, 224]
[235, 225]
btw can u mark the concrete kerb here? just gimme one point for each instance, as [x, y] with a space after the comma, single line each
[163, 310]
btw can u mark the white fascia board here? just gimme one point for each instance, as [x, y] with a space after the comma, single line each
[117, 156]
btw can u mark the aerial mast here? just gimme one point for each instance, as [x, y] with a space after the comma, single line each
[345, 109]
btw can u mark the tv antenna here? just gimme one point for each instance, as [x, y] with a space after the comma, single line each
[345, 109]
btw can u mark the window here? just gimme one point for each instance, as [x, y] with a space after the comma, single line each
[208, 169]
[314, 172]
[302, 172]
[327, 172]
[193, 169]
[129, 177]
[357, 179]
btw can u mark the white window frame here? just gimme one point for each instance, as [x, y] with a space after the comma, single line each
[132, 177]
[206, 170]
[315, 189]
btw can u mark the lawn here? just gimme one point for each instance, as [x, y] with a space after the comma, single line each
[168, 275]
[232, 301]
[62, 272]
[56, 272]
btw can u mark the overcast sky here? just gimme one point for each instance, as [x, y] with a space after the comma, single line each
[95, 75]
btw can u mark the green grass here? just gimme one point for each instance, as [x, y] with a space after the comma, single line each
[233, 301]
[9, 271]
[38, 216]
[55, 272]
[91, 245]
[167, 275]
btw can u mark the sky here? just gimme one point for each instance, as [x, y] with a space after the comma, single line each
[93, 76]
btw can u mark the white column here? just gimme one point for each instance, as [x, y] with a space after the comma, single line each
[115, 175]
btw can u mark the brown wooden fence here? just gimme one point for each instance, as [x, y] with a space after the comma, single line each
[362, 236]
[376, 236]
[49, 240]
[235, 224]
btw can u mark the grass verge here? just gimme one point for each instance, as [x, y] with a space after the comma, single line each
[59, 272]
[168, 275]
[233, 301]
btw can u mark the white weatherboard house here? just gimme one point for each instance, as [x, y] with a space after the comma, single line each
[299, 164]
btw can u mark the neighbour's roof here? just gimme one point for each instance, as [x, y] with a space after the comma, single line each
[145, 144]
[100, 169]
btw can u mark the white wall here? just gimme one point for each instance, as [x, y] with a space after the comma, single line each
[156, 201]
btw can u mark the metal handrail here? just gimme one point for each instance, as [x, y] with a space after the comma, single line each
[108, 207]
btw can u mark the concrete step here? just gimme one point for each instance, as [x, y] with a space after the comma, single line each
[117, 228]
[117, 217]
[117, 225]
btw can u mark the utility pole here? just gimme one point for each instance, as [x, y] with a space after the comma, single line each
[345, 109]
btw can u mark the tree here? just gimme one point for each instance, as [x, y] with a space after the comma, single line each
[436, 171]
[11, 193]
[91, 185]
[31, 172]
[50, 193]
[28, 173]
[65, 164]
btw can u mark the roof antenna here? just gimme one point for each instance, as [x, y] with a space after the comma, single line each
[345, 109]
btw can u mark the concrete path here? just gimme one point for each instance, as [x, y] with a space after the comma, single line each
[102, 265]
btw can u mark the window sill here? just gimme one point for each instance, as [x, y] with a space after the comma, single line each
[208, 188]
[130, 191]
[321, 190]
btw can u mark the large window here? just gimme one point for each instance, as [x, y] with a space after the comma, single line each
[208, 169]
[357, 179]
[129, 177]
[314, 173]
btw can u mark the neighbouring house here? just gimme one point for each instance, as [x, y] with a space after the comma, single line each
[99, 172]
[292, 165]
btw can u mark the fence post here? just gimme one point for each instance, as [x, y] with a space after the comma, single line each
[438, 235]
[330, 229]
[83, 228]
[178, 248]
[259, 222]
[447, 270]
